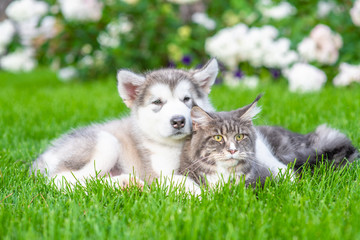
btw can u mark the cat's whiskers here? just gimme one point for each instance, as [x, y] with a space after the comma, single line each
[241, 158]
[204, 162]
[199, 160]
[255, 162]
[208, 167]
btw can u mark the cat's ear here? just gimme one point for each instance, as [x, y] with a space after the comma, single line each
[200, 118]
[128, 84]
[248, 112]
[206, 76]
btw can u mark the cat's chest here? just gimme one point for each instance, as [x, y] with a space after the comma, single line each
[223, 173]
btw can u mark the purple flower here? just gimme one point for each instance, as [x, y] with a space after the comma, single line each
[275, 73]
[186, 60]
[219, 80]
[238, 74]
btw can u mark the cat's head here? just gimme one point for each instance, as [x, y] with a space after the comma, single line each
[224, 138]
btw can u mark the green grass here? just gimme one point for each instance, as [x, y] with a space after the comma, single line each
[36, 107]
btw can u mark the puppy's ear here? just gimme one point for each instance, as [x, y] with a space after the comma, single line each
[128, 84]
[206, 76]
[199, 118]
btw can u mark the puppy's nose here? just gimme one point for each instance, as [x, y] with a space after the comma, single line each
[232, 151]
[177, 122]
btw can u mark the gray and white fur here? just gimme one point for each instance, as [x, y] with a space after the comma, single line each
[223, 148]
[147, 144]
[207, 160]
[324, 143]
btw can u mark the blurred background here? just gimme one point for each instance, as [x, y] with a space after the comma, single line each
[305, 43]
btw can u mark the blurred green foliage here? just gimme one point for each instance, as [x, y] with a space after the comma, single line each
[160, 37]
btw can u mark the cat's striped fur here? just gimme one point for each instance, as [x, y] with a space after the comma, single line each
[206, 160]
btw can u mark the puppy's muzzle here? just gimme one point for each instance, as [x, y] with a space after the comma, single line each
[177, 122]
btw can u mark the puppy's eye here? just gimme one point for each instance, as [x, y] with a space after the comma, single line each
[157, 102]
[218, 138]
[186, 99]
[239, 137]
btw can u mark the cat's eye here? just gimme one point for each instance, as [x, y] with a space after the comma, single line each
[218, 138]
[157, 102]
[239, 137]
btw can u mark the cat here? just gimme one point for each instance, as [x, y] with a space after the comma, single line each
[227, 146]
[222, 147]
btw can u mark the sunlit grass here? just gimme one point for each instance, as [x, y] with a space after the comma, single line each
[36, 107]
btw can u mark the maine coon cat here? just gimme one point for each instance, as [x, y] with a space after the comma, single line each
[227, 145]
[223, 146]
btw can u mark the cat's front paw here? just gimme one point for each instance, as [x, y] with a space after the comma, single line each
[189, 185]
[192, 188]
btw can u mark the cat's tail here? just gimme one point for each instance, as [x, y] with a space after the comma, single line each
[329, 144]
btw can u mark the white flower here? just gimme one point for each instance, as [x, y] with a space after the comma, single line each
[305, 78]
[20, 60]
[250, 81]
[307, 49]
[230, 79]
[270, 32]
[29, 30]
[348, 74]
[225, 45]
[323, 45]
[26, 14]
[23, 10]
[111, 36]
[7, 31]
[121, 26]
[355, 13]
[86, 61]
[106, 40]
[322, 32]
[257, 46]
[81, 10]
[324, 8]
[289, 58]
[328, 44]
[283, 10]
[204, 20]
[67, 73]
[47, 27]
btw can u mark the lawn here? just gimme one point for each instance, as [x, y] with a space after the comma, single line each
[35, 108]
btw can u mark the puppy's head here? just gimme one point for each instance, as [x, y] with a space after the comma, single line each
[161, 100]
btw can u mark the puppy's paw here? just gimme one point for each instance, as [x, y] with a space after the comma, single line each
[125, 181]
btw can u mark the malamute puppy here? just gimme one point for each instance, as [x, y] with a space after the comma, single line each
[147, 143]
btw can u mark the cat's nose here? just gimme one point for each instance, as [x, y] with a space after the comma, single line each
[232, 151]
[177, 122]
